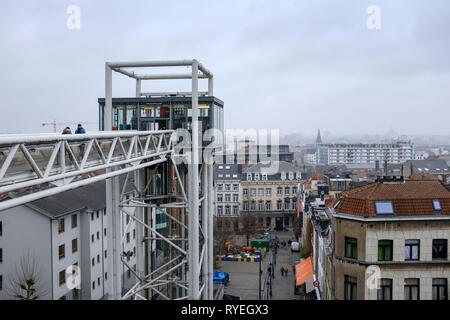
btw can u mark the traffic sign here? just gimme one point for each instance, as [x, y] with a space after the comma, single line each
[316, 283]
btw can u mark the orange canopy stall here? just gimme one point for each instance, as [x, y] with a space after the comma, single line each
[303, 271]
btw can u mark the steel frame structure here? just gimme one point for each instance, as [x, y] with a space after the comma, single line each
[194, 238]
[106, 156]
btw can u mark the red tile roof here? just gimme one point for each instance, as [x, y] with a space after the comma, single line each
[410, 198]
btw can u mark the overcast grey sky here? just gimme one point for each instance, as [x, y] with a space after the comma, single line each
[294, 65]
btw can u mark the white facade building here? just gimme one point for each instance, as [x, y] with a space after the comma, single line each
[342, 153]
[67, 229]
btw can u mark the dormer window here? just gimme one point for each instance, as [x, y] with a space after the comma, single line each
[256, 176]
[249, 177]
[283, 176]
[437, 204]
[384, 207]
[291, 176]
[264, 177]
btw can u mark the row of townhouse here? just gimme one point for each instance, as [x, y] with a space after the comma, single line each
[269, 196]
[384, 241]
[61, 231]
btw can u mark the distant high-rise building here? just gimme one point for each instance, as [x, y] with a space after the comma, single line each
[359, 153]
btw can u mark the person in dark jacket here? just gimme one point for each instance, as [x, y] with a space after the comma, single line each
[67, 131]
[80, 130]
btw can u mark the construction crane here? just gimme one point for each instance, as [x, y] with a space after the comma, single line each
[55, 124]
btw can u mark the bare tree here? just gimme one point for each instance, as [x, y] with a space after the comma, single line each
[25, 282]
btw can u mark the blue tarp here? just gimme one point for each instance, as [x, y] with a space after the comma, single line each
[220, 277]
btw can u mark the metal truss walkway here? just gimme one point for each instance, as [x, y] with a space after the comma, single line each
[35, 166]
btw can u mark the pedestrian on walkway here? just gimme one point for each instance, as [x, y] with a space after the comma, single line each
[286, 272]
[67, 131]
[282, 271]
[80, 130]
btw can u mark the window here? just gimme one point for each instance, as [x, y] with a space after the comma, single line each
[384, 207]
[287, 203]
[61, 225]
[227, 210]
[235, 197]
[268, 191]
[61, 251]
[253, 205]
[106, 275]
[219, 197]
[253, 191]
[98, 281]
[439, 249]
[440, 289]
[220, 187]
[294, 190]
[261, 205]
[385, 289]
[98, 258]
[235, 210]
[294, 203]
[106, 254]
[249, 177]
[260, 191]
[134, 233]
[74, 221]
[384, 250]
[287, 190]
[98, 235]
[104, 212]
[92, 238]
[351, 248]
[256, 176]
[1, 255]
[128, 220]
[104, 232]
[235, 187]
[74, 245]
[264, 176]
[62, 277]
[93, 261]
[227, 197]
[219, 209]
[245, 191]
[245, 205]
[1, 228]
[128, 237]
[92, 216]
[279, 190]
[268, 205]
[437, 204]
[128, 274]
[228, 187]
[98, 213]
[93, 285]
[412, 249]
[350, 288]
[279, 205]
[1, 282]
[412, 289]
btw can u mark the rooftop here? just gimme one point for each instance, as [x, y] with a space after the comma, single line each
[411, 198]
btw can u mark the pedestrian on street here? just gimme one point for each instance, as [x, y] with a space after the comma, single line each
[286, 272]
[282, 271]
